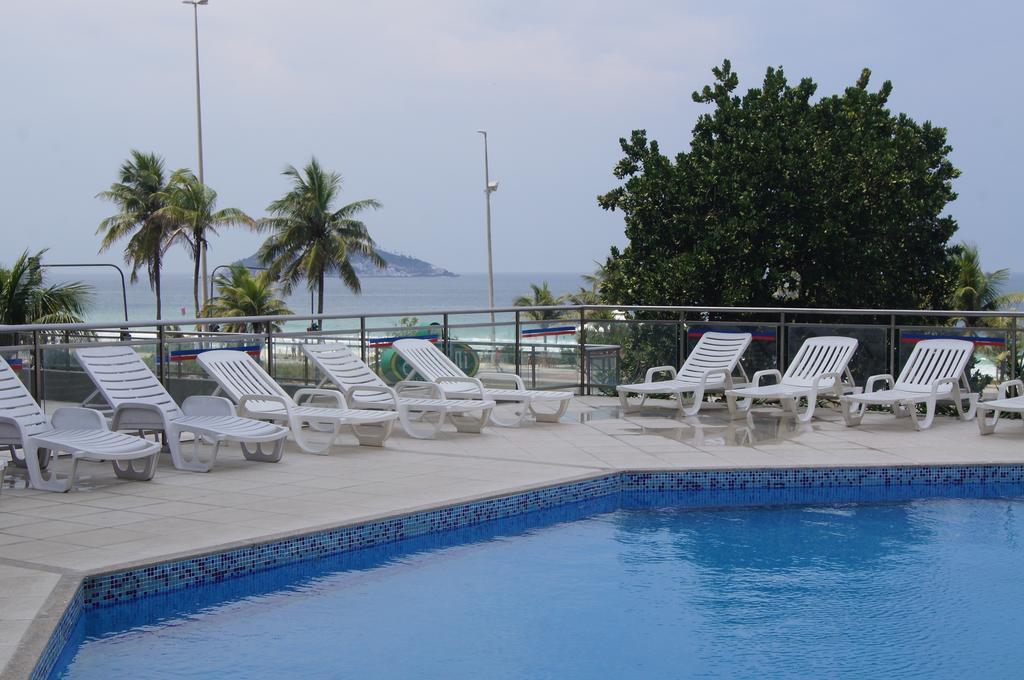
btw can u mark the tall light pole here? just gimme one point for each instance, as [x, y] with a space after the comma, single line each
[489, 188]
[199, 133]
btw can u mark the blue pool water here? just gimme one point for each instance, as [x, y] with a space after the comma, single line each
[915, 589]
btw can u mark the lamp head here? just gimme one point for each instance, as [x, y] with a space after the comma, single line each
[492, 187]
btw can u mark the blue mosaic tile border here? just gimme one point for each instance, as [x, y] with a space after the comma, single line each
[109, 589]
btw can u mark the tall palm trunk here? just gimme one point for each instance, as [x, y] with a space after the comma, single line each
[195, 280]
[157, 264]
[320, 292]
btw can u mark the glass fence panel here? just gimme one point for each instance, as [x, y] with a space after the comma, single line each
[871, 357]
[625, 349]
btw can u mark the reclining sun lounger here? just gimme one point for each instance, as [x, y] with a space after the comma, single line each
[935, 371]
[141, 403]
[431, 364]
[410, 399]
[259, 396]
[79, 431]
[708, 368]
[820, 368]
[1003, 403]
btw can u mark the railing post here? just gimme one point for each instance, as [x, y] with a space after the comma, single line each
[583, 350]
[1013, 347]
[518, 348]
[161, 350]
[893, 345]
[781, 343]
[270, 349]
[681, 339]
[446, 338]
[37, 367]
[362, 338]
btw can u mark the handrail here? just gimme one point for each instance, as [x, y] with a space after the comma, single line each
[154, 323]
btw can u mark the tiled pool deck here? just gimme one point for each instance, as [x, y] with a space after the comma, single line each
[48, 541]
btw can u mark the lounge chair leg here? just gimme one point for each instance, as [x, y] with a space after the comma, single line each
[519, 415]
[550, 417]
[48, 482]
[985, 425]
[808, 413]
[929, 415]
[428, 432]
[260, 456]
[127, 470]
[304, 443]
[194, 462]
[471, 424]
[694, 407]
[372, 434]
[853, 413]
[624, 402]
[738, 408]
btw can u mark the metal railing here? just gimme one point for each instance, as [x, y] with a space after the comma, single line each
[586, 348]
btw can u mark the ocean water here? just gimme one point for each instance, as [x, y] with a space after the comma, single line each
[468, 291]
[915, 589]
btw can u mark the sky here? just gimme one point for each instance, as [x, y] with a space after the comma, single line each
[391, 96]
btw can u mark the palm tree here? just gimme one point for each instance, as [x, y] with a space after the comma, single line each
[25, 298]
[978, 290]
[191, 207]
[139, 194]
[542, 297]
[239, 293]
[311, 238]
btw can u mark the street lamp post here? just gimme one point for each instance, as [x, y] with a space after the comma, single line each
[199, 131]
[489, 188]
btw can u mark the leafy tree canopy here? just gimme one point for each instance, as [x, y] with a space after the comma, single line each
[782, 200]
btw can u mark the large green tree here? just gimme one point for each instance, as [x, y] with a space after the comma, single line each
[311, 237]
[782, 199]
[139, 195]
[191, 207]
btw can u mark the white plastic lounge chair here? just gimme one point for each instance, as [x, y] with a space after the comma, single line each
[708, 368]
[410, 399]
[1003, 403]
[78, 431]
[936, 371]
[820, 368]
[259, 396]
[141, 403]
[431, 364]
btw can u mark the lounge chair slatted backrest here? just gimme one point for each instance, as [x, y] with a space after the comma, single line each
[239, 375]
[17, 403]
[713, 351]
[820, 355]
[124, 378]
[347, 370]
[933, 360]
[431, 363]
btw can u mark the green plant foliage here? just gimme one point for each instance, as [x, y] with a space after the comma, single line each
[541, 296]
[25, 298]
[782, 200]
[240, 293]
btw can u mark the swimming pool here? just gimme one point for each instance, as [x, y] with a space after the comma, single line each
[628, 586]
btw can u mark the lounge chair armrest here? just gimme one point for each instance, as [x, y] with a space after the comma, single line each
[352, 393]
[78, 418]
[137, 416]
[756, 381]
[954, 384]
[457, 379]
[202, 405]
[834, 376]
[520, 385]
[244, 399]
[415, 386]
[725, 375]
[1004, 388]
[889, 381]
[651, 372]
[11, 429]
[335, 395]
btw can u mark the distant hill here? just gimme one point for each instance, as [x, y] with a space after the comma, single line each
[399, 266]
